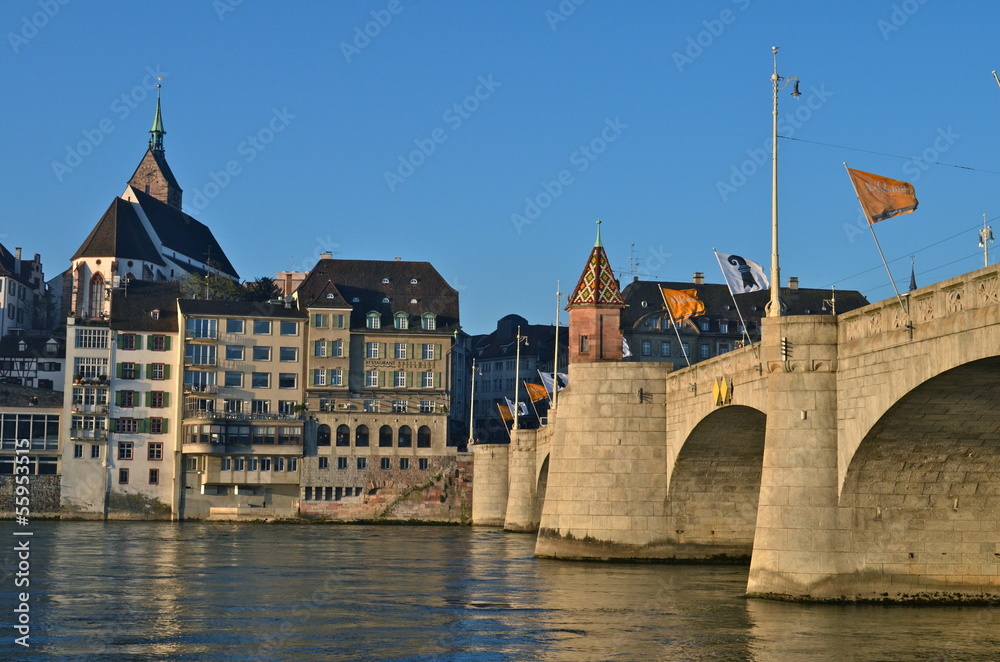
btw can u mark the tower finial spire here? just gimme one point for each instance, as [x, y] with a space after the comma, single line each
[156, 133]
[598, 242]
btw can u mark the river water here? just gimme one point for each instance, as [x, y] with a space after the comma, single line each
[195, 591]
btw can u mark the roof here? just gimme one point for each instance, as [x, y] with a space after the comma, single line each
[182, 233]
[119, 234]
[597, 284]
[384, 286]
[132, 305]
[7, 262]
[238, 309]
[161, 162]
[501, 344]
[644, 297]
[35, 346]
[15, 395]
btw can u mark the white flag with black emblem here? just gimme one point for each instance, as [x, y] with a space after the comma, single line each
[742, 275]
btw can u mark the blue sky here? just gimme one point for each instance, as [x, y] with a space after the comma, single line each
[428, 137]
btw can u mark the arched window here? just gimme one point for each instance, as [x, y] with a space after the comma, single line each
[96, 298]
[424, 437]
[361, 435]
[402, 320]
[405, 437]
[343, 435]
[385, 436]
[323, 435]
[374, 320]
[428, 321]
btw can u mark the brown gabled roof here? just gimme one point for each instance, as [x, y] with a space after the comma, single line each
[161, 163]
[366, 285]
[132, 306]
[119, 234]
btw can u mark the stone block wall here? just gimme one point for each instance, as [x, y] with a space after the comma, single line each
[489, 495]
[44, 496]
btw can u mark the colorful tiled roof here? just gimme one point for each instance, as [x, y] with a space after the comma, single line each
[597, 284]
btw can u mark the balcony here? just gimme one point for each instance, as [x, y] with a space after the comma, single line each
[82, 434]
[201, 414]
[233, 448]
[199, 361]
[201, 388]
[218, 477]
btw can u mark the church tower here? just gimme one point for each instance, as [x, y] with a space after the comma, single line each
[595, 310]
[153, 176]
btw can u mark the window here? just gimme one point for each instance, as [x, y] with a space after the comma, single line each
[288, 328]
[123, 476]
[427, 352]
[723, 326]
[158, 343]
[191, 463]
[361, 437]
[240, 464]
[399, 406]
[125, 449]
[252, 463]
[287, 380]
[373, 320]
[157, 371]
[279, 464]
[385, 437]
[95, 451]
[262, 327]
[293, 464]
[288, 354]
[401, 320]
[90, 367]
[232, 406]
[319, 377]
[234, 379]
[126, 399]
[703, 351]
[371, 350]
[261, 353]
[260, 380]
[371, 377]
[386, 463]
[196, 380]
[154, 476]
[584, 344]
[323, 435]
[341, 462]
[343, 435]
[337, 321]
[704, 324]
[427, 379]
[201, 328]
[235, 326]
[157, 425]
[336, 377]
[92, 338]
[260, 406]
[422, 463]
[127, 371]
[426, 406]
[405, 437]
[324, 463]
[126, 425]
[263, 434]
[404, 463]
[428, 321]
[155, 451]
[319, 348]
[337, 348]
[371, 406]
[362, 463]
[78, 450]
[687, 348]
[399, 379]
[156, 399]
[226, 464]
[664, 348]
[647, 348]
[234, 352]
[126, 341]
[723, 347]
[319, 321]
[286, 407]
[423, 437]
[265, 464]
[199, 355]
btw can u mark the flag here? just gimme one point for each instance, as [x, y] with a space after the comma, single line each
[626, 351]
[521, 407]
[549, 382]
[682, 303]
[505, 413]
[742, 275]
[881, 197]
[536, 392]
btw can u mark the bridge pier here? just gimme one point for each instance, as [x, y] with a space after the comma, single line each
[490, 486]
[799, 544]
[523, 508]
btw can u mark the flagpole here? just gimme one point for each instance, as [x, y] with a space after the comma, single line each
[677, 331]
[517, 378]
[555, 359]
[733, 296]
[871, 226]
[472, 405]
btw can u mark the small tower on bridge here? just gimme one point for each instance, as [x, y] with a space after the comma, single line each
[595, 310]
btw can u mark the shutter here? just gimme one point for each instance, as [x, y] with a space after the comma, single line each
[138, 371]
[118, 371]
[166, 399]
[166, 371]
[382, 351]
[411, 351]
[437, 380]
[143, 425]
[149, 398]
[113, 424]
[120, 340]
[164, 427]
[118, 398]
[437, 352]
[166, 343]
[149, 369]
[149, 342]
[381, 377]
[409, 380]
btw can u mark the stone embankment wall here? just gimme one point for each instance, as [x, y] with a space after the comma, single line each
[43, 496]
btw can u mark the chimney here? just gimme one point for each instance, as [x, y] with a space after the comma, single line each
[326, 256]
[399, 259]
[17, 253]
[793, 282]
[699, 278]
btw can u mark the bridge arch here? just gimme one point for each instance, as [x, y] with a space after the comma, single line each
[920, 497]
[715, 482]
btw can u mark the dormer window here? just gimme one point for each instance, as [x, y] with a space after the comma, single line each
[374, 320]
[428, 321]
[355, 300]
[154, 314]
[413, 300]
[401, 321]
[385, 299]
[52, 347]
[385, 281]
[414, 281]
[22, 346]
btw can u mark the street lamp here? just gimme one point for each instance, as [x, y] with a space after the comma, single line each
[778, 83]
[472, 405]
[985, 239]
[517, 375]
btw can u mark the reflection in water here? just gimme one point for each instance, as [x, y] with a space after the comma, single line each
[163, 591]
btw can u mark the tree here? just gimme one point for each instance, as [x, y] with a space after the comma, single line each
[212, 286]
[263, 288]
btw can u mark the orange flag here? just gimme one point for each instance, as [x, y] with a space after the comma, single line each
[881, 197]
[682, 303]
[536, 391]
[505, 413]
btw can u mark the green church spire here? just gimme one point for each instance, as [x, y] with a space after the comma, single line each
[157, 132]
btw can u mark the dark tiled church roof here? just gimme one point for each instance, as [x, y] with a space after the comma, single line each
[131, 306]
[120, 234]
[182, 233]
[411, 287]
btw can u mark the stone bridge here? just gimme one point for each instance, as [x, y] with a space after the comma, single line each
[847, 457]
